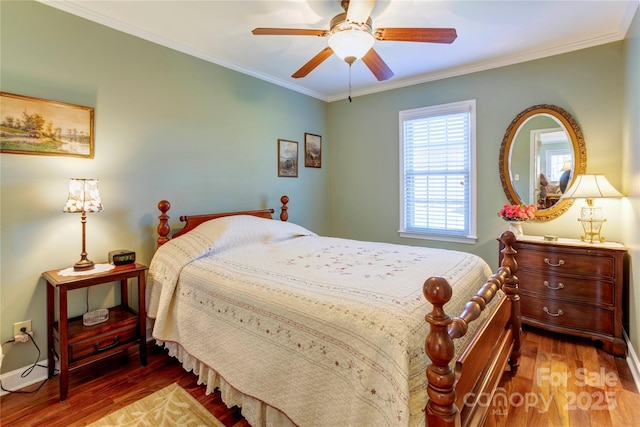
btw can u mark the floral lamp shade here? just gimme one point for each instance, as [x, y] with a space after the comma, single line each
[84, 196]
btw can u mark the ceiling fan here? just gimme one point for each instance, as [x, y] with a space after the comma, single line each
[351, 37]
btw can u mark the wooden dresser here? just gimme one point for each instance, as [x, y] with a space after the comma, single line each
[573, 287]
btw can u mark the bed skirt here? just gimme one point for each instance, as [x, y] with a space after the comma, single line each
[256, 412]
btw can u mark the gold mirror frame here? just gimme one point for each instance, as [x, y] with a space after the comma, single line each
[577, 144]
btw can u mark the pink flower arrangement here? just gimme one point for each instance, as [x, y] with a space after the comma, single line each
[517, 212]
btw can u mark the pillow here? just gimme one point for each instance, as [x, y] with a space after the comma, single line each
[237, 230]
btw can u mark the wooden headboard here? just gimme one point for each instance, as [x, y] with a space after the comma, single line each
[192, 221]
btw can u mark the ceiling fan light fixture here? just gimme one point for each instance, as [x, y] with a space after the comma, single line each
[351, 44]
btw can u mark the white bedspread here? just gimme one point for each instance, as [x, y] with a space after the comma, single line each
[329, 331]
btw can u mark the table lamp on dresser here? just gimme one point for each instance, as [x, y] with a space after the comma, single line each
[591, 187]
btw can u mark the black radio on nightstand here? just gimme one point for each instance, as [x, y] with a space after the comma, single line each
[122, 257]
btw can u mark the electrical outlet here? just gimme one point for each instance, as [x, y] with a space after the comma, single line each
[19, 325]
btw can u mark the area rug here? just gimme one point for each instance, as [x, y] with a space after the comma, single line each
[171, 406]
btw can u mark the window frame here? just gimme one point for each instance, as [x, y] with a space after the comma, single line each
[468, 106]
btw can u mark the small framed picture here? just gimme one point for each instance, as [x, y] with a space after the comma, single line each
[39, 126]
[287, 158]
[312, 150]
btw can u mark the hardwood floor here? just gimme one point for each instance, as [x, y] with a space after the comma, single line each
[562, 381]
[565, 381]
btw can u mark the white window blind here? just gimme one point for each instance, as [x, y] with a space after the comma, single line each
[438, 172]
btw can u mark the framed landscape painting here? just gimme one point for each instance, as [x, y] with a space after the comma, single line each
[287, 158]
[42, 127]
[312, 150]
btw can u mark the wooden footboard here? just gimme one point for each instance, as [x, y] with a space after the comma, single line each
[460, 396]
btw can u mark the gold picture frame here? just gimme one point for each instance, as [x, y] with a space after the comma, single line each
[312, 150]
[287, 158]
[43, 127]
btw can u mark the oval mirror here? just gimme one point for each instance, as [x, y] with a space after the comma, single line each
[542, 152]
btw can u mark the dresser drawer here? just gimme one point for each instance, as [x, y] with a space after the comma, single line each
[102, 343]
[567, 315]
[547, 285]
[558, 261]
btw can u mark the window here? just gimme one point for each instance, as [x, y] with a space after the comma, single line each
[437, 167]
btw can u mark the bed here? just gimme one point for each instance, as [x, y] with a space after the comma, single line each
[301, 329]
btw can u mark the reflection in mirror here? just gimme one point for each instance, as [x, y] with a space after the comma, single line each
[542, 150]
[538, 156]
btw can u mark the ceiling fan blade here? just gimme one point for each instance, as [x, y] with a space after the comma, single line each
[377, 66]
[428, 35]
[313, 63]
[288, 32]
[360, 10]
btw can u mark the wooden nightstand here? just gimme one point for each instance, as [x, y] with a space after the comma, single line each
[574, 287]
[78, 345]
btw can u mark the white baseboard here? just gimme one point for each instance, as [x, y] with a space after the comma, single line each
[633, 361]
[13, 380]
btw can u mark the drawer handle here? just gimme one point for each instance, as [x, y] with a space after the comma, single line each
[548, 262]
[555, 288]
[116, 341]
[559, 313]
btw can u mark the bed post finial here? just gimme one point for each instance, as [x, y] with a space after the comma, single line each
[512, 291]
[441, 406]
[283, 210]
[163, 225]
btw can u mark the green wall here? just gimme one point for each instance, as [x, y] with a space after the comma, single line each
[631, 173]
[167, 126]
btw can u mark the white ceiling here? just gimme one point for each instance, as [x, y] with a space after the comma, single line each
[490, 34]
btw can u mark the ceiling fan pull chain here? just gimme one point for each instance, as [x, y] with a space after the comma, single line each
[350, 81]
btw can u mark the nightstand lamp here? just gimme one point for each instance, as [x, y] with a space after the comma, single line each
[592, 218]
[84, 197]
